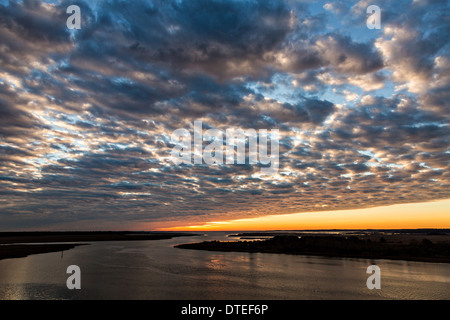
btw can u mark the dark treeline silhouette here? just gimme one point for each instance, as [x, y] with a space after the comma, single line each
[76, 236]
[337, 246]
[20, 251]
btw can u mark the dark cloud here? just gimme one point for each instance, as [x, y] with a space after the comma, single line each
[13, 121]
[31, 32]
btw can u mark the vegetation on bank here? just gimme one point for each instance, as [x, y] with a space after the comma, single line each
[23, 250]
[337, 246]
[22, 244]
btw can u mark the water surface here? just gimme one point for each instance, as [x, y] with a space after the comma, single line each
[156, 270]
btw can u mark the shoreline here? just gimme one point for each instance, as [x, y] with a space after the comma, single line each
[418, 248]
[22, 244]
[11, 251]
[82, 236]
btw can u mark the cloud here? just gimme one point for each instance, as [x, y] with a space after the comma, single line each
[337, 7]
[86, 115]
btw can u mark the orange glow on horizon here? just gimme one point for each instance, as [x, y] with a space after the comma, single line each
[401, 216]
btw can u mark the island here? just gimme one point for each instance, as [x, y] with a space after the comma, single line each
[395, 247]
[22, 244]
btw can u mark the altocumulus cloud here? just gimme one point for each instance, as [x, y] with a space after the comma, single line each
[86, 115]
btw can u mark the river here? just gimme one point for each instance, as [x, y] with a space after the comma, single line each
[156, 270]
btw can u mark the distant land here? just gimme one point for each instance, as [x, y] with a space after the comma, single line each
[23, 250]
[22, 244]
[422, 231]
[427, 245]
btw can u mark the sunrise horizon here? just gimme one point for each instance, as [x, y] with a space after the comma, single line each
[358, 219]
[395, 216]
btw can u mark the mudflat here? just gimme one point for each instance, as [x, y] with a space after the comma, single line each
[22, 244]
[425, 248]
[23, 250]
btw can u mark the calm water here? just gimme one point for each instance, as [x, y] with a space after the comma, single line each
[156, 270]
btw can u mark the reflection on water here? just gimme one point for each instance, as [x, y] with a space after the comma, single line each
[156, 270]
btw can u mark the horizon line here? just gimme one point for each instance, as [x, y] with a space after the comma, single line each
[231, 230]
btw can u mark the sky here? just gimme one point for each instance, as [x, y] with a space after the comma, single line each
[87, 115]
